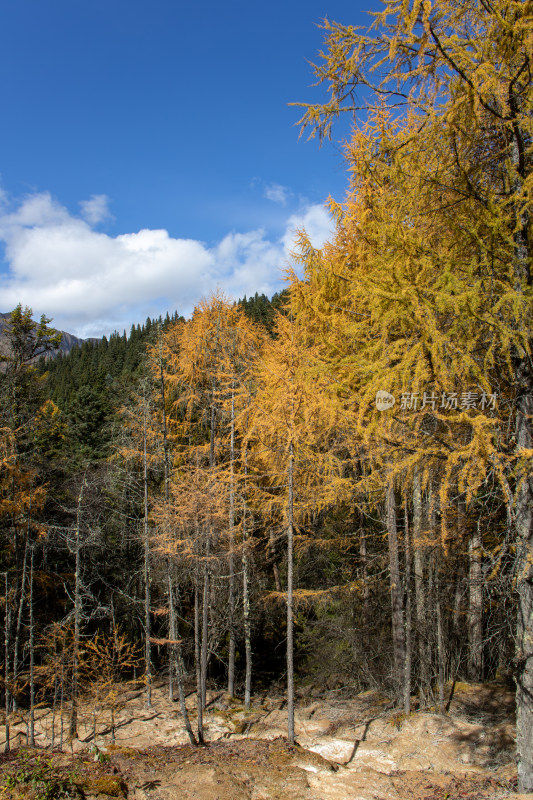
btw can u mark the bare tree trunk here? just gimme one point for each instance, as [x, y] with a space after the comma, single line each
[73, 729]
[54, 711]
[398, 640]
[441, 654]
[458, 599]
[146, 539]
[32, 656]
[524, 586]
[205, 638]
[7, 697]
[290, 610]
[199, 705]
[22, 601]
[475, 607]
[363, 557]
[273, 555]
[246, 596]
[172, 632]
[524, 441]
[420, 599]
[408, 615]
[175, 655]
[231, 599]
[180, 673]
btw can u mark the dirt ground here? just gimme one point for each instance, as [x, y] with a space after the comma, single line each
[349, 748]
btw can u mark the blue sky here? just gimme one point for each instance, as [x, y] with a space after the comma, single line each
[148, 153]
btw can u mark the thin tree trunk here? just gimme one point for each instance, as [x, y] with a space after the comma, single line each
[458, 599]
[32, 656]
[420, 599]
[273, 555]
[180, 675]
[73, 729]
[146, 539]
[475, 607]
[54, 712]
[363, 557]
[172, 632]
[231, 599]
[175, 656]
[408, 614]
[205, 630]
[62, 700]
[290, 609]
[441, 653]
[524, 585]
[398, 640]
[199, 706]
[6, 664]
[524, 495]
[22, 601]
[246, 596]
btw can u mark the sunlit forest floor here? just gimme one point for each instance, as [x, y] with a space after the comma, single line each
[356, 747]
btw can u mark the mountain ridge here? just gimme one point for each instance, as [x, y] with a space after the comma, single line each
[68, 340]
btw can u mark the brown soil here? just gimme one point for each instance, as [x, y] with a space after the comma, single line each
[349, 748]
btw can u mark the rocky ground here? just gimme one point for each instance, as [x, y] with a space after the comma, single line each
[349, 748]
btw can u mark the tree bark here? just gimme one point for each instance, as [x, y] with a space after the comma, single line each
[273, 555]
[231, 599]
[363, 557]
[6, 664]
[197, 659]
[175, 655]
[524, 586]
[440, 643]
[475, 607]
[73, 728]
[290, 610]
[408, 615]
[32, 656]
[398, 640]
[524, 494]
[420, 597]
[246, 596]
[22, 601]
[172, 631]
[204, 641]
[146, 542]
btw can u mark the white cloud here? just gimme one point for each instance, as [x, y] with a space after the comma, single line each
[317, 223]
[92, 283]
[96, 209]
[277, 193]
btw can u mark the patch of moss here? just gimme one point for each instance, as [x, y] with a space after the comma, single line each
[109, 785]
[397, 720]
[121, 750]
[224, 714]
